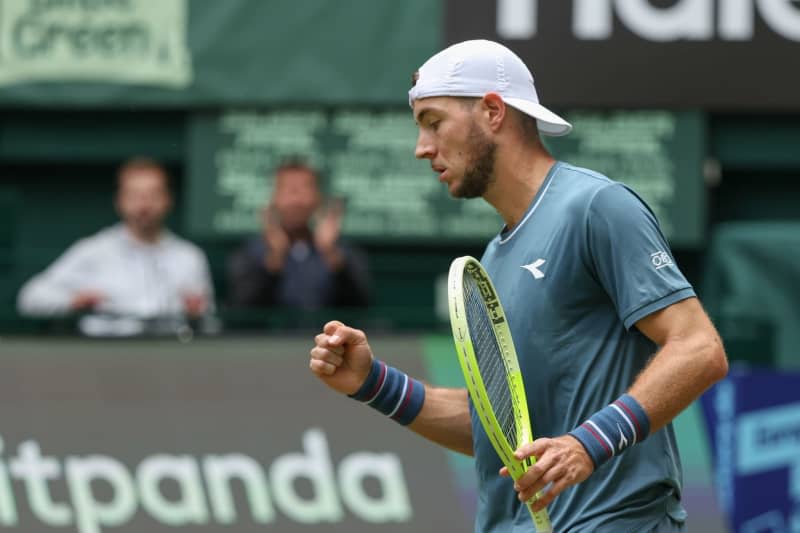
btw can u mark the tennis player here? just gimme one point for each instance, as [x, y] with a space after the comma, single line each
[612, 340]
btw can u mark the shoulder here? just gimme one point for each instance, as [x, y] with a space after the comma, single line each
[619, 202]
[579, 182]
[249, 250]
[587, 192]
[572, 189]
[182, 246]
[350, 248]
[103, 239]
[581, 179]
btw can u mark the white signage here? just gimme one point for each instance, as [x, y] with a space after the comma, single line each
[691, 20]
[110, 41]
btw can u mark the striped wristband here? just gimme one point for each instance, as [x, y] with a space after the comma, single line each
[392, 392]
[609, 431]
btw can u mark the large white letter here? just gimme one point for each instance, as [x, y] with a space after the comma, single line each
[688, 19]
[8, 507]
[219, 470]
[781, 16]
[736, 20]
[91, 513]
[516, 19]
[592, 19]
[393, 505]
[190, 506]
[314, 465]
[35, 470]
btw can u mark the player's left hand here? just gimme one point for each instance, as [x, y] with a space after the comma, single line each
[562, 461]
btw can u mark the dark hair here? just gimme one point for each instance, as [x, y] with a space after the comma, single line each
[299, 163]
[528, 125]
[142, 163]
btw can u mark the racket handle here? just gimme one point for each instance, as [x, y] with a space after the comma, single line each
[541, 520]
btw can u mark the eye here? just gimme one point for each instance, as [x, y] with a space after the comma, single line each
[434, 124]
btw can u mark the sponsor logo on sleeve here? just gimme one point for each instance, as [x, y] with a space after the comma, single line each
[660, 260]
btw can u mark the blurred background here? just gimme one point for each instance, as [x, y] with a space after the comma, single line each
[200, 414]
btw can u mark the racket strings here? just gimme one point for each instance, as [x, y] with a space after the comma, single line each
[490, 359]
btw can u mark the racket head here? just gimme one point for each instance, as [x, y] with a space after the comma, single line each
[468, 326]
[489, 363]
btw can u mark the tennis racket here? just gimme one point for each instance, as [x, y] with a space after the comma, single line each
[489, 363]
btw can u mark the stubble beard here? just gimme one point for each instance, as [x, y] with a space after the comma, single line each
[480, 173]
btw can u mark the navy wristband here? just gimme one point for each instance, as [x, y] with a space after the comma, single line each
[391, 392]
[615, 427]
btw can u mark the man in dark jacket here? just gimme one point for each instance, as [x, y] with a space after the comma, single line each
[299, 260]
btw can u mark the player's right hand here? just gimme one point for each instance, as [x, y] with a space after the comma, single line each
[86, 300]
[341, 357]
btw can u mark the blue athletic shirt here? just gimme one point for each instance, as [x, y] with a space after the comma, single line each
[584, 264]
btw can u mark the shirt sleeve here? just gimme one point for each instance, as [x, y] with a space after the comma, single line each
[202, 278]
[50, 292]
[249, 282]
[630, 256]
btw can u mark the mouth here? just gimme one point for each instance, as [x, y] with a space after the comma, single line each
[442, 171]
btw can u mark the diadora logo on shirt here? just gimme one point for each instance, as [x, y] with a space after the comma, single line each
[533, 268]
[660, 260]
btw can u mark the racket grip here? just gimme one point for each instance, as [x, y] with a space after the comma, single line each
[541, 519]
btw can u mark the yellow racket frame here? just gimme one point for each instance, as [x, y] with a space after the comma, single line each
[470, 266]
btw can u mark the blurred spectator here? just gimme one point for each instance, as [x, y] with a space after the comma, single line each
[299, 259]
[130, 273]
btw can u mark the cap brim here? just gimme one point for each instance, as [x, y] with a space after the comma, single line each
[549, 123]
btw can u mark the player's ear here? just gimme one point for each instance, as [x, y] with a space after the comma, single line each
[495, 110]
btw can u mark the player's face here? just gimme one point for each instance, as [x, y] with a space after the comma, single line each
[461, 153]
[143, 200]
[296, 197]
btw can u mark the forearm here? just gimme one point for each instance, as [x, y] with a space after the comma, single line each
[342, 359]
[438, 414]
[691, 360]
[677, 375]
[445, 419]
[40, 298]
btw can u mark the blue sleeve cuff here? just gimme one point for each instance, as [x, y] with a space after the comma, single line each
[665, 301]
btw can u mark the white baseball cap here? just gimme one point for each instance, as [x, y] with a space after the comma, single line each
[474, 68]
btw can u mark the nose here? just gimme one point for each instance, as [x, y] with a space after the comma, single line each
[424, 148]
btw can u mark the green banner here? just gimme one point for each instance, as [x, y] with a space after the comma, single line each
[195, 52]
[114, 41]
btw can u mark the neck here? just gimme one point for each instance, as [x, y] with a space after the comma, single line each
[519, 174]
[143, 236]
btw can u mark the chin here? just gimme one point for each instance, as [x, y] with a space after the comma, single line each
[457, 191]
[455, 188]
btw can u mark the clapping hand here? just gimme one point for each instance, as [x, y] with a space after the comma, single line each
[327, 231]
[276, 238]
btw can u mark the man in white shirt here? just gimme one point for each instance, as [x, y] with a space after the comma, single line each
[131, 272]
